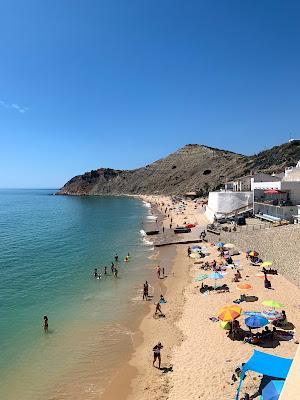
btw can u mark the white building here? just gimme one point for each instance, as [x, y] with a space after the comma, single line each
[245, 183]
[227, 203]
[279, 200]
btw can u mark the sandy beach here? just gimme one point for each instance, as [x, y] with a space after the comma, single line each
[198, 359]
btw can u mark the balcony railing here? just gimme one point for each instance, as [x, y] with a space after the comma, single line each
[275, 202]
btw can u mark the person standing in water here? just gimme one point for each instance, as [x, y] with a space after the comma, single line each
[46, 323]
[116, 258]
[116, 272]
[112, 267]
[158, 271]
[95, 273]
[145, 291]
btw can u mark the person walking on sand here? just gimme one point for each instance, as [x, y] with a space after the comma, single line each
[46, 323]
[156, 354]
[163, 272]
[158, 271]
[116, 272]
[158, 310]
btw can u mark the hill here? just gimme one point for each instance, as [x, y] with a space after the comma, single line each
[192, 168]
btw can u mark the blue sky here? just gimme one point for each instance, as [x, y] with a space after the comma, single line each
[92, 83]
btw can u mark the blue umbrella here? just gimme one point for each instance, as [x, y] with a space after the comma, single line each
[256, 321]
[215, 276]
[272, 390]
[220, 244]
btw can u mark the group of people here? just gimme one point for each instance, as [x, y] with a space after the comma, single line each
[113, 267]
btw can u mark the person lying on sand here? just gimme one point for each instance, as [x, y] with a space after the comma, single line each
[156, 354]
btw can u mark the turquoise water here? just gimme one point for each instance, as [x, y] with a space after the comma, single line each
[49, 246]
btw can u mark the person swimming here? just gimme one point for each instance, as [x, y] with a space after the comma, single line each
[46, 323]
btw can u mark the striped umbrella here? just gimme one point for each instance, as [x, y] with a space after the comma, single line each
[229, 312]
[271, 315]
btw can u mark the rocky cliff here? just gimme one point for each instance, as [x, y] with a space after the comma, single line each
[192, 168]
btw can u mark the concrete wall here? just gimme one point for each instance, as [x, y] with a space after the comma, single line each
[281, 245]
[220, 203]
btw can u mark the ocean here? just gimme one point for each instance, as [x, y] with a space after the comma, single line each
[49, 247]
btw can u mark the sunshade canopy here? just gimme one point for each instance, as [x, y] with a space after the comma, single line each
[266, 364]
[273, 191]
[272, 390]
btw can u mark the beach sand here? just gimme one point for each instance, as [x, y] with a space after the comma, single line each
[198, 359]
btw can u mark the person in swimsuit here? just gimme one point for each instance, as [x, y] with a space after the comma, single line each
[156, 354]
[112, 267]
[46, 324]
[145, 291]
[95, 273]
[116, 258]
[105, 270]
[116, 272]
[158, 310]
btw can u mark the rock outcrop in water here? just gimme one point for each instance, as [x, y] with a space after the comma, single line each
[192, 168]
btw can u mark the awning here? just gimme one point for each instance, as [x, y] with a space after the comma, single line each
[266, 364]
[273, 191]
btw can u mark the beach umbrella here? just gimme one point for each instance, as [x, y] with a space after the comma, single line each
[201, 277]
[229, 312]
[266, 264]
[256, 321]
[253, 253]
[216, 276]
[271, 315]
[225, 325]
[194, 255]
[272, 304]
[220, 244]
[263, 276]
[228, 246]
[272, 390]
[244, 286]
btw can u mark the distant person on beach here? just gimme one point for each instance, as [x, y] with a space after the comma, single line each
[95, 273]
[156, 354]
[162, 299]
[116, 272]
[46, 323]
[158, 271]
[170, 226]
[163, 229]
[116, 258]
[105, 270]
[145, 291]
[128, 255]
[163, 272]
[112, 267]
[158, 310]
[189, 250]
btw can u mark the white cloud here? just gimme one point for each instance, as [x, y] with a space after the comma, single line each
[14, 106]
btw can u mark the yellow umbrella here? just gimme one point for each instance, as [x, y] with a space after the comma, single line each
[266, 264]
[229, 312]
